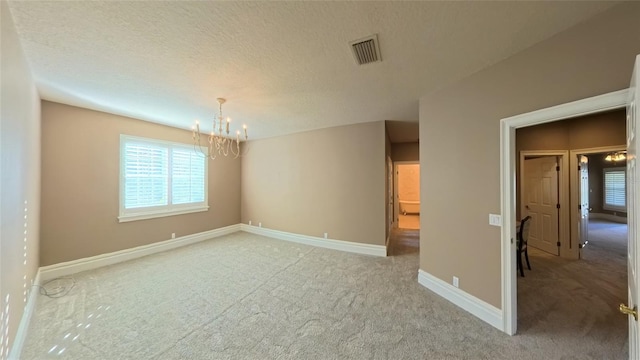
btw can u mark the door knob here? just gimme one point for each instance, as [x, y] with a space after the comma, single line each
[629, 311]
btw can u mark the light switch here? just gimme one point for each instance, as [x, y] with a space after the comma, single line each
[495, 220]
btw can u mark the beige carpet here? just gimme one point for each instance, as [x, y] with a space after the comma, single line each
[577, 300]
[248, 297]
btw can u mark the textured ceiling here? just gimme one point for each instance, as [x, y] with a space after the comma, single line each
[284, 67]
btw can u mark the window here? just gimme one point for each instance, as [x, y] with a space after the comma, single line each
[160, 178]
[615, 189]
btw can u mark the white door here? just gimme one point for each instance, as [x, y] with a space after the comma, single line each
[540, 201]
[583, 228]
[633, 175]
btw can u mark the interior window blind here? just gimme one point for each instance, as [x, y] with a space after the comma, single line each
[160, 178]
[614, 188]
[146, 168]
[187, 176]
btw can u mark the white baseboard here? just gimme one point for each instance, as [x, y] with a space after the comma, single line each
[94, 262]
[476, 307]
[23, 327]
[610, 217]
[358, 248]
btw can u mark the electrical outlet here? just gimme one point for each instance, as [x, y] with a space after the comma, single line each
[326, 235]
[456, 282]
[173, 235]
[259, 224]
[249, 222]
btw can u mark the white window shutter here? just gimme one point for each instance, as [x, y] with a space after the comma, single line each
[160, 178]
[614, 188]
[146, 168]
[187, 176]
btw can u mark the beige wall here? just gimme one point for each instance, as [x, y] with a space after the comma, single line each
[597, 130]
[329, 180]
[19, 180]
[592, 58]
[80, 188]
[405, 152]
[409, 182]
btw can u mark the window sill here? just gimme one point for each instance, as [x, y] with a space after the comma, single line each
[158, 214]
[613, 208]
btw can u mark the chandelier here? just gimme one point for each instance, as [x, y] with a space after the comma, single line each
[219, 143]
[617, 156]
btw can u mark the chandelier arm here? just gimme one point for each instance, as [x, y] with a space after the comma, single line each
[198, 150]
[219, 146]
[235, 152]
[225, 147]
[212, 153]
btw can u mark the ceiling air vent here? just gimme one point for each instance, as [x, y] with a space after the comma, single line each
[366, 50]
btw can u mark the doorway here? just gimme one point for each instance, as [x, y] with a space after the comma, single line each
[407, 194]
[403, 149]
[405, 235]
[560, 295]
[593, 105]
[595, 168]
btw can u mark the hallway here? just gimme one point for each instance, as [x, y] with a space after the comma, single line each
[404, 241]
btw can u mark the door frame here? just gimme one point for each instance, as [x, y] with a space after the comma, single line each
[563, 194]
[575, 192]
[396, 200]
[389, 194]
[508, 126]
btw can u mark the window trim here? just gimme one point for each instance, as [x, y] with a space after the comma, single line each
[606, 206]
[158, 211]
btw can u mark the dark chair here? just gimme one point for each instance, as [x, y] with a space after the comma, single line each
[523, 236]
